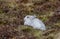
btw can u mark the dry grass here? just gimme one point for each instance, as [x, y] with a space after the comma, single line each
[12, 13]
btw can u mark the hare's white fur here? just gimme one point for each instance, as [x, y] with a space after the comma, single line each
[34, 22]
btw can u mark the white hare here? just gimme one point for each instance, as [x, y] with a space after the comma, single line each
[34, 22]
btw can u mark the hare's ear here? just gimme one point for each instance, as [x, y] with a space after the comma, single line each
[34, 15]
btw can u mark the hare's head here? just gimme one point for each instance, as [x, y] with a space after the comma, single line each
[30, 17]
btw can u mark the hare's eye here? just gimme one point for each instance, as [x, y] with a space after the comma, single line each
[27, 17]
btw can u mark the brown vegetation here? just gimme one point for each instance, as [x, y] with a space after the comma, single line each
[12, 13]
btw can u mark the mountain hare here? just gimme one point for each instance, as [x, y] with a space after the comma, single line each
[34, 22]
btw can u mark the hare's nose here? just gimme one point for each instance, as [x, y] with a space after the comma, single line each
[24, 20]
